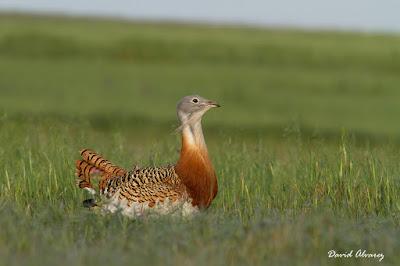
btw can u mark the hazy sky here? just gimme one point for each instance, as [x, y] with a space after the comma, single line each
[365, 15]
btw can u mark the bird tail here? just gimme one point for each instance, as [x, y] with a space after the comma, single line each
[93, 163]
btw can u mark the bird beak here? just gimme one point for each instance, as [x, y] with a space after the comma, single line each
[213, 104]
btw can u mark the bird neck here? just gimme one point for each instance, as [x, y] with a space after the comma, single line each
[192, 136]
[194, 166]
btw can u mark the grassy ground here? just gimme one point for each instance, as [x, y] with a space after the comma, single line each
[305, 146]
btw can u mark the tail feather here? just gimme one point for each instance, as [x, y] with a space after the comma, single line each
[93, 163]
[102, 164]
[83, 172]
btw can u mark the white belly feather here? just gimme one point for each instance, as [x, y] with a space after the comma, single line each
[181, 207]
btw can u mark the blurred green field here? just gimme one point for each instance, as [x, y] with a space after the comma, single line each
[305, 146]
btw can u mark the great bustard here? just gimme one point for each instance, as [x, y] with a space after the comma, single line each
[183, 188]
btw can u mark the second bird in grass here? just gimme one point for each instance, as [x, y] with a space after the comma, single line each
[184, 188]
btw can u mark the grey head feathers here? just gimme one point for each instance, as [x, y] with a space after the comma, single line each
[190, 109]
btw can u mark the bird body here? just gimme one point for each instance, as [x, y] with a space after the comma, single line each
[184, 188]
[143, 190]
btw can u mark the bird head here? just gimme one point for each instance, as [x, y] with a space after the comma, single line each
[190, 109]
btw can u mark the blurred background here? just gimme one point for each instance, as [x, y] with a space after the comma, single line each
[305, 146]
[313, 67]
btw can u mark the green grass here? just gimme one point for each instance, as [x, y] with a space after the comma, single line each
[305, 146]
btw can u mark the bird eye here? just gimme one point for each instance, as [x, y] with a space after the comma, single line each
[195, 100]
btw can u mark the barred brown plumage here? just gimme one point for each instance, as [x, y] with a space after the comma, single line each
[187, 186]
[151, 183]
